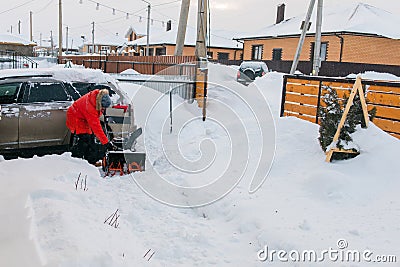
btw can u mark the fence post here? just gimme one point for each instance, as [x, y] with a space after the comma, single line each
[283, 96]
[152, 68]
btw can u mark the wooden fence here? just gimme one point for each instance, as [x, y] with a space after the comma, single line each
[302, 96]
[167, 65]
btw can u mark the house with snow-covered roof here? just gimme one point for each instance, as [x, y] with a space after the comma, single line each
[219, 46]
[17, 43]
[103, 44]
[357, 33]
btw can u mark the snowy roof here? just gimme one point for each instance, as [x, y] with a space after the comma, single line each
[14, 39]
[218, 39]
[114, 40]
[355, 18]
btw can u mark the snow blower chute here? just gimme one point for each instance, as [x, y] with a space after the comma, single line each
[124, 159]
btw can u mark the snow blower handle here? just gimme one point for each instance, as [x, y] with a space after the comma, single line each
[111, 146]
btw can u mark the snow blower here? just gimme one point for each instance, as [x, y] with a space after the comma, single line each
[124, 159]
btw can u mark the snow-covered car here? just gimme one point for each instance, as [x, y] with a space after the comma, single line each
[33, 107]
[249, 70]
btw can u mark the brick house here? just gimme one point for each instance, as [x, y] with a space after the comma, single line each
[358, 33]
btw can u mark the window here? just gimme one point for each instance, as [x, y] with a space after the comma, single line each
[256, 53]
[210, 54]
[83, 88]
[45, 92]
[277, 54]
[105, 48]
[161, 51]
[323, 52]
[8, 92]
[74, 93]
[223, 56]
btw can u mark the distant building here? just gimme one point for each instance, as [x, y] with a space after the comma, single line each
[103, 45]
[359, 33]
[220, 45]
[133, 34]
[10, 42]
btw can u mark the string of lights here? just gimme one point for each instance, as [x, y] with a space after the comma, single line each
[99, 5]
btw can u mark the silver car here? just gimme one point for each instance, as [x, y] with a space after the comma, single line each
[33, 113]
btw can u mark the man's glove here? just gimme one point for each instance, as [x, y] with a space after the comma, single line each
[111, 146]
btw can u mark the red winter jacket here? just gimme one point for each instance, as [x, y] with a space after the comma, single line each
[83, 117]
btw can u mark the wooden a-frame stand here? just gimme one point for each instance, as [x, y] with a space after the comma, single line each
[357, 88]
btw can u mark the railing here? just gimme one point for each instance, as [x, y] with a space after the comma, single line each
[15, 60]
[301, 97]
[176, 84]
[162, 73]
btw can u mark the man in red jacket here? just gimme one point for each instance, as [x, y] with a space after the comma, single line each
[83, 121]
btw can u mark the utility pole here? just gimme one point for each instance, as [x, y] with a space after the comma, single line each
[302, 36]
[51, 43]
[317, 45]
[11, 29]
[148, 28]
[40, 40]
[92, 37]
[201, 50]
[183, 19]
[66, 39]
[19, 27]
[60, 28]
[30, 27]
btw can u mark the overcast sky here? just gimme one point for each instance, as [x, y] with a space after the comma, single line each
[232, 15]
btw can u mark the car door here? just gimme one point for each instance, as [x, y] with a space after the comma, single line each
[9, 115]
[43, 115]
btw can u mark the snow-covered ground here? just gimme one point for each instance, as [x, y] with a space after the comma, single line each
[192, 206]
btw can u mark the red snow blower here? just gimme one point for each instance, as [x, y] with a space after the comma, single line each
[124, 159]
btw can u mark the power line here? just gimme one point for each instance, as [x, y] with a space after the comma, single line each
[17, 6]
[166, 3]
[46, 6]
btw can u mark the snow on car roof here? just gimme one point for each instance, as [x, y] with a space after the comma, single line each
[61, 73]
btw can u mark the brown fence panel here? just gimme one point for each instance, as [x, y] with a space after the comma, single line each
[384, 89]
[301, 116]
[301, 97]
[142, 64]
[301, 109]
[385, 99]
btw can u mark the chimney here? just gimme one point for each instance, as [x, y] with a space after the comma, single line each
[169, 25]
[280, 14]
